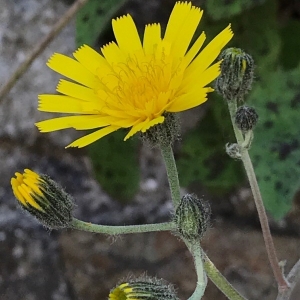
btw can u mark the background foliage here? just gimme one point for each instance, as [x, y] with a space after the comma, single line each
[272, 41]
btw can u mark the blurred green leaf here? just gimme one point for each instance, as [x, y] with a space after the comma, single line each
[93, 19]
[115, 164]
[276, 146]
[224, 9]
[203, 158]
[289, 34]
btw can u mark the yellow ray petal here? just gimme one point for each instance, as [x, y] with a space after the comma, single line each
[92, 137]
[126, 34]
[152, 36]
[124, 123]
[209, 53]
[64, 122]
[14, 183]
[19, 177]
[77, 91]
[200, 80]
[92, 60]
[209, 74]
[92, 122]
[194, 49]
[153, 122]
[188, 101]
[32, 174]
[137, 127]
[26, 193]
[177, 18]
[186, 32]
[33, 186]
[66, 104]
[72, 69]
[113, 54]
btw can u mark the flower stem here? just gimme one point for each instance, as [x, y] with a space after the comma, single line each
[106, 229]
[263, 219]
[219, 280]
[196, 251]
[170, 163]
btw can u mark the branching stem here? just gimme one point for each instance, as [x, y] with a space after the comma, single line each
[263, 219]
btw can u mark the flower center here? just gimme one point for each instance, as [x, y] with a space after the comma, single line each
[143, 84]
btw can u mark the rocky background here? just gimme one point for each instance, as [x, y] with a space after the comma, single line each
[71, 265]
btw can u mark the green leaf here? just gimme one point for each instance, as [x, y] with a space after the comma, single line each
[115, 165]
[93, 19]
[203, 158]
[276, 146]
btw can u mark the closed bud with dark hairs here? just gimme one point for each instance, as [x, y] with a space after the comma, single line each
[192, 217]
[237, 74]
[246, 118]
[143, 288]
[43, 198]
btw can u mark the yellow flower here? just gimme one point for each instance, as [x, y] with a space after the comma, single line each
[26, 187]
[43, 198]
[133, 83]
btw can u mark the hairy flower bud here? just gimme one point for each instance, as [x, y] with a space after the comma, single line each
[192, 217]
[43, 198]
[246, 118]
[237, 74]
[233, 150]
[165, 133]
[143, 288]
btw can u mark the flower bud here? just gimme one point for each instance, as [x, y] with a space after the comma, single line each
[246, 118]
[237, 74]
[163, 134]
[192, 217]
[233, 150]
[43, 198]
[143, 288]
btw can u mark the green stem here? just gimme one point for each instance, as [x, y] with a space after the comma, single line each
[195, 248]
[170, 163]
[196, 251]
[219, 280]
[106, 229]
[263, 219]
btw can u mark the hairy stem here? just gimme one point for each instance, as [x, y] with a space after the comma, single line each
[170, 163]
[219, 280]
[106, 229]
[196, 251]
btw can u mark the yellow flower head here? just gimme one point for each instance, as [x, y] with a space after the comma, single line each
[43, 198]
[134, 83]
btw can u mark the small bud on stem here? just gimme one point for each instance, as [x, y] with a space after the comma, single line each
[192, 217]
[246, 118]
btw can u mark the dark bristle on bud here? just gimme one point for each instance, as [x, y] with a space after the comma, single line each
[246, 118]
[237, 72]
[192, 217]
